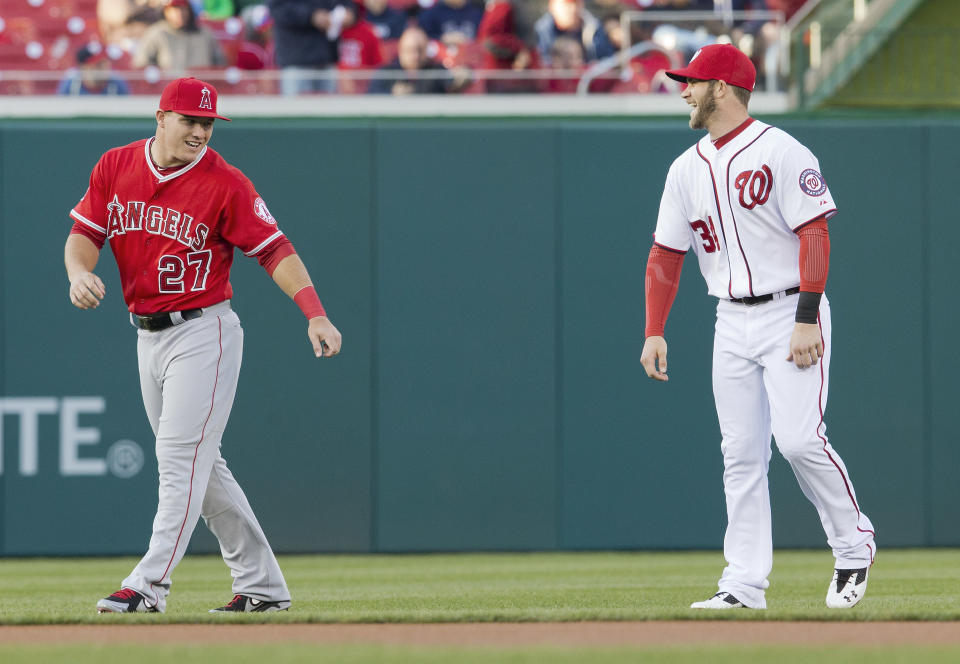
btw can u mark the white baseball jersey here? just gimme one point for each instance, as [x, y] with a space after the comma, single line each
[738, 202]
[738, 207]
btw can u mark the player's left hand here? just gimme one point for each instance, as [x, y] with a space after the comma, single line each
[806, 345]
[324, 337]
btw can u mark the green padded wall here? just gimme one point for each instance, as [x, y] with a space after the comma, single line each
[487, 276]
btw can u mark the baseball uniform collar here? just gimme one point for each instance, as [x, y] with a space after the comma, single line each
[732, 134]
[160, 176]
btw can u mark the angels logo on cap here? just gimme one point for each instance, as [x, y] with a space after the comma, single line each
[191, 96]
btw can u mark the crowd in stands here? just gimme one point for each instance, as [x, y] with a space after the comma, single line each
[394, 47]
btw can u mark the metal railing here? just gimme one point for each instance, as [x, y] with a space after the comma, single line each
[837, 44]
[755, 32]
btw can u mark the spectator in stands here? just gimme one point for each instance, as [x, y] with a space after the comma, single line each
[504, 50]
[178, 42]
[454, 22]
[567, 61]
[569, 18]
[358, 49]
[123, 22]
[387, 22]
[408, 69]
[93, 75]
[305, 42]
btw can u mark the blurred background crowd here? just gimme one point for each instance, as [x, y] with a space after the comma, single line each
[393, 47]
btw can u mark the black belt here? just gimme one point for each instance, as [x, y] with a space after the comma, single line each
[759, 299]
[157, 322]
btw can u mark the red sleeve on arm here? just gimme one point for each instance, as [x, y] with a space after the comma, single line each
[270, 257]
[87, 232]
[814, 255]
[663, 279]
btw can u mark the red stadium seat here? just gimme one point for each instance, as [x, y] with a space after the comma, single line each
[253, 56]
[20, 30]
[42, 35]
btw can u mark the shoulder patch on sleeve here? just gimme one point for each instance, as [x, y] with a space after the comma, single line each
[812, 183]
[260, 208]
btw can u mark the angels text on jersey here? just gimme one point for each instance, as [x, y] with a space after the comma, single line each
[137, 216]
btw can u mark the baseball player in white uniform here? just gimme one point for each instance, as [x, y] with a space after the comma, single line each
[751, 203]
[173, 211]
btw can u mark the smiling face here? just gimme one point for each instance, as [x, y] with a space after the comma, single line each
[700, 95]
[180, 138]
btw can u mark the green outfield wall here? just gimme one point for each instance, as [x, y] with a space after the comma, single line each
[487, 277]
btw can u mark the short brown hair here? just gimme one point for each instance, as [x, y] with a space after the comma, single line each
[742, 94]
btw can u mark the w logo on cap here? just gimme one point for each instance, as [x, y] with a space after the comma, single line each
[205, 99]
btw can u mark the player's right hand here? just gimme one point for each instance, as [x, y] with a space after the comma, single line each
[86, 290]
[654, 358]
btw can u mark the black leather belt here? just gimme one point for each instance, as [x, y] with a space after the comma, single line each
[759, 299]
[157, 322]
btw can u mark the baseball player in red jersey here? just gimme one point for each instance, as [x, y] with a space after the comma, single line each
[750, 200]
[173, 210]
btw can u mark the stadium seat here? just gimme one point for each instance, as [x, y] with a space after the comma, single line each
[43, 35]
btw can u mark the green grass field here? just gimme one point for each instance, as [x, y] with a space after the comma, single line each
[905, 585]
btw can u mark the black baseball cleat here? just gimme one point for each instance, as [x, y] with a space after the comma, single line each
[125, 601]
[847, 588]
[244, 604]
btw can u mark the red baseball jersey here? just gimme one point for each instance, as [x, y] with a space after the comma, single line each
[173, 235]
[359, 47]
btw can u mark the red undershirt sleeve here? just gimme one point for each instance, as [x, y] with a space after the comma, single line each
[272, 256]
[662, 281]
[814, 255]
[814, 266]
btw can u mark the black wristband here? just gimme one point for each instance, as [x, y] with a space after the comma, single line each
[808, 306]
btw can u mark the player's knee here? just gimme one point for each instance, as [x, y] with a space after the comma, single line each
[796, 447]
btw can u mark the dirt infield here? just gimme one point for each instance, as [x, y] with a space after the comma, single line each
[586, 634]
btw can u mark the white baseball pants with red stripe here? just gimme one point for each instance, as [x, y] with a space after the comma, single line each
[188, 376]
[759, 393]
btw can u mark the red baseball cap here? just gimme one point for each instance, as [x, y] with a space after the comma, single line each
[718, 62]
[191, 96]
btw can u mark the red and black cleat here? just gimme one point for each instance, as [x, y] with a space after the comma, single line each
[244, 604]
[125, 601]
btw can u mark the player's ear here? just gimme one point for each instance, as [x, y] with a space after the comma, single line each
[161, 116]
